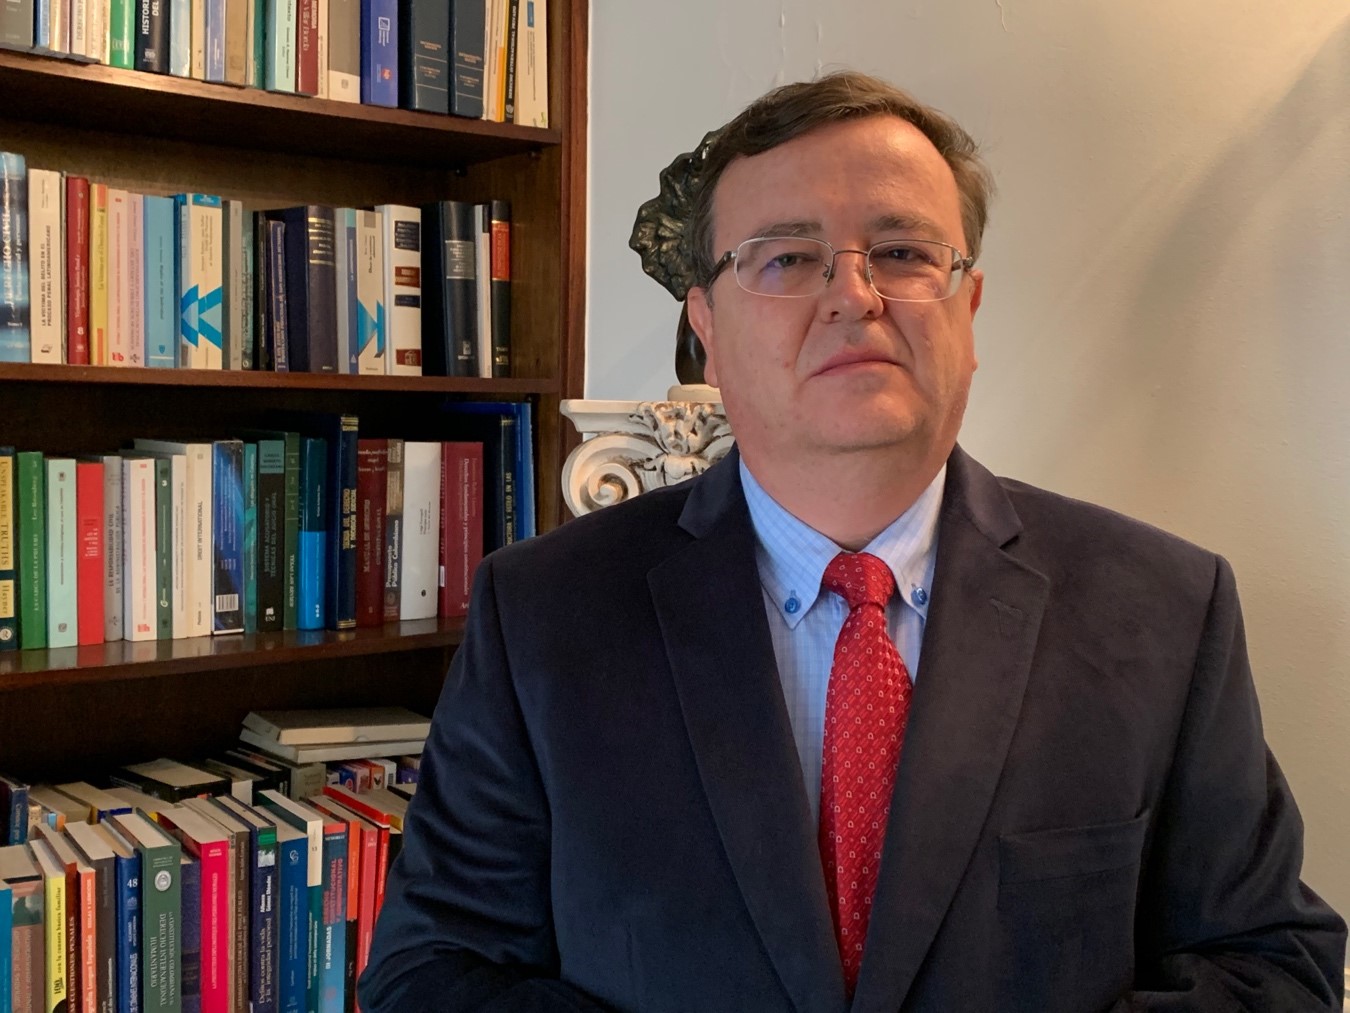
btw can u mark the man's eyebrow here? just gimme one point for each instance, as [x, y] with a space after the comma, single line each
[905, 223]
[796, 227]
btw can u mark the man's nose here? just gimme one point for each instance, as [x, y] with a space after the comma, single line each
[848, 290]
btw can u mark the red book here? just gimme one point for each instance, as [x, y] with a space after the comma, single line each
[89, 576]
[372, 477]
[307, 48]
[77, 271]
[205, 841]
[461, 525]
[383, 822]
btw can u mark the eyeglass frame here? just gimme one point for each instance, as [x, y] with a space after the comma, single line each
[961, 259]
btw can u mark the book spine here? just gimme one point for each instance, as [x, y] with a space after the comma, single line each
[15, 337]
[421, 530]
[510, 493]
[31, 562]
[500, 286]
[292, 922]
[216, 941]
[161, 904]
[86, 948]
[77, 270]
[370, 308]
[164, 545]
[47, 265]
[248, 310]
[56, 926]
[98, 274]
[215, 40]
[191, 953]
[371, 493]
[344, 273]
[483, 284]
[112, 547]
[197, 545]
[62, 630]
[227, 543]
[232, 277]
[307, 48]
[291, 543]
[344, 50]
[313, 527]
[320, 307]
[199, 21]
[512, 38]
[379, 52]
[281, 18]
[105, 929]
[138, 549]
[333, 959]
[450, 322]
[119, 286]
[182, 525]
[161, 344]
[236, 42]
[278, 337]
[152, 36]
[135, 275]
[122, 33]
[129, 922]
[89, 567]
[403, 287]
[7, 1002]
[263, 951]
[532, 65]
[17, 21]
[271, 538]
[208, 275]
[492, 65]
[393, 532]
[461, 524]
[340, 590]
[424, 67]
[249, 601]
[9, 597]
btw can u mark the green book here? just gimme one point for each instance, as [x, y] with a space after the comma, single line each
[122, 34]
[161, 910]
[31, 507]
[250, 602]
[289, 462]
[62, 628]
[163, 548]
[9, 598]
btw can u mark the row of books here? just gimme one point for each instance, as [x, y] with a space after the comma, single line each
[273, 531]
[117, 899]
[485, 59]
[93, 274]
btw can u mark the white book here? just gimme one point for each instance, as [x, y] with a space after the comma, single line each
[232, 275]
[342, 267]
[321, 31]
[532, 64]
[100, 31]
[119, 285]
[59, 25]
[421, 530]
[328, 752]
[482, 220]
[492, 68]
[402, 228]
[62, 628]
[302, 817]
[198, 546]
[200, 279]
[47, 264]
[179, 543]
[135, 273]
[354, 724]
[138, 548]
[112, 547]
[198, 39]
[372, 315]
[79, 28]
[180, 37]
[343, 48]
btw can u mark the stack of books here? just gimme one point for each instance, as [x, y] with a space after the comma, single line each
[326, 736]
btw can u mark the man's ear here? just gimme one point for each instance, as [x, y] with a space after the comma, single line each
[701, 320]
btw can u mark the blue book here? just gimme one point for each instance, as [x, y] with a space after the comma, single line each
[215, 40]
[127, 870]
[528, 525]
[379, 52]
[190, 935]
[6, 946]
[161, 285]
[292, 918]
[468, 26]
[42, 24]
[313, 528]
[15, 336]
[227, 532]
[340, 592]
[333, 955]
[13, 818]
[250, 598]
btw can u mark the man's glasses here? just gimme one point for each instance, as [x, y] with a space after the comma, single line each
[903, 270]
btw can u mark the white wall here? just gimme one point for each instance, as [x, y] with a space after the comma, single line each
[1168, 274]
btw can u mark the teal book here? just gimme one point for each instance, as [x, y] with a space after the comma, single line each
[15, 332]
[250, 601]
[6, 946]
[62, 629]
[9, 596]
[278, 528]
[163, 548]
[313, 532]
[333, 956]
[161, 293]
[122, 33]
[30, 504]
[227, 555]
[311, 823]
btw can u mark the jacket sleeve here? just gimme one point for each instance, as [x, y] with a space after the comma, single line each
[1224, 922]
[466, 923]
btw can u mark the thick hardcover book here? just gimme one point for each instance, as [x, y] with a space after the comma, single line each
[62, 630]
[393, 532]
[15, 338]
[161, 904]
[77, 270]
[47, 266]
[16, 23]
[232, 282]
[89, 567]
[313, 533]
[139, 572]
[449, 290]
[494, 424]
[421, 530]
[532, 65]
[261, 901]
[169, 780]
[200, 283]
[152, 36]
[227, 555]
[461, 540]
[379, 52]
[483, 284]
[311, 295]
[272, 338]
[344, 50]
[161, 324]
[98, 274]
[402, 229]
[371, 315]
[249, 602]
[307, 47]
[9, 597]
[112, 547]
[30, 503]
[164, 546]
[500, 286]
[95, 850]
[424, 63]
[372, 474]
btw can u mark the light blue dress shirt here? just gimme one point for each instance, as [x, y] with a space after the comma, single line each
[805, 622]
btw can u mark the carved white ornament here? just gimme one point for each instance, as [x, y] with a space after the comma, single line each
[641, 445]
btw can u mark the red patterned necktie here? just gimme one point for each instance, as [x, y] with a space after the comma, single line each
[866, 707]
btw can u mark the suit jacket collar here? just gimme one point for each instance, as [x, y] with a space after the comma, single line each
[982, 628]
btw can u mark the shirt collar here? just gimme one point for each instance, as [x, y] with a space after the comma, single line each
[792, 555]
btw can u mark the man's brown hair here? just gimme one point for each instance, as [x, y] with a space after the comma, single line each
[792, 110]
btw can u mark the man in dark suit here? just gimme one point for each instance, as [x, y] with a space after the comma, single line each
[648, 788]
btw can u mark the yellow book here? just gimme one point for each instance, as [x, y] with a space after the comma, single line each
[98, 274]
[54, 931]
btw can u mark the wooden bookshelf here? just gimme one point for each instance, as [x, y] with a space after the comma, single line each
[73, 712]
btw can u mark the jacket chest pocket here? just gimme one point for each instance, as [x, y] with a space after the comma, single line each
[1066, 902]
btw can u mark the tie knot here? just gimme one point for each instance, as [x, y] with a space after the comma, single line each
[859, 577]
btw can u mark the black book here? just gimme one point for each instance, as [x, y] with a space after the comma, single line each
[513, 32]
[468, 23]
[494, 426]
[152, 36]
[500, 287]
[274, 352]
[311, 288]
[449, 295]
[423, 55]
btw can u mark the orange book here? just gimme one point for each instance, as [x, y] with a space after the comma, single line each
[98, 274]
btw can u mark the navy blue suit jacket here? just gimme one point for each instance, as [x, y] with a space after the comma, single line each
[612, 816]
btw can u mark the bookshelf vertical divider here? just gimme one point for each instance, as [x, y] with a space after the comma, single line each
[73, 712]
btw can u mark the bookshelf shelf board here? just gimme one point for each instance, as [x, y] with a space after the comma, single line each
[259, 380]
[74, 93]
[144, 659]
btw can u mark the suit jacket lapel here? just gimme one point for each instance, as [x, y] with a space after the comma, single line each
[711, 612]
[977, 651]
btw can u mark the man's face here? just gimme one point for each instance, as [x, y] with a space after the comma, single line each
[846, 370]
